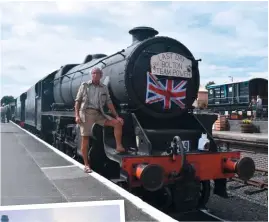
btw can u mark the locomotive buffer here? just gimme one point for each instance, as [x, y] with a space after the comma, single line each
[33, 172]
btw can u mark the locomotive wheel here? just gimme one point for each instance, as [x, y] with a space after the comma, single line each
[70, 153]
[111, 169]
[101, 164]
[96, 160]
[191, 195]
[60, 146]
[204, 193]
[160, 199]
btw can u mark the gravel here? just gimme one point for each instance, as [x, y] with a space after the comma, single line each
[258, 196]
[249, 192]
[237, 209]
[240, 206]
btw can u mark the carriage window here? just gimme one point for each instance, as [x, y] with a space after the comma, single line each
[222, 92]
[230, 89]
[217, 92]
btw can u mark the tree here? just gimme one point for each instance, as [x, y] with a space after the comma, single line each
[209, 83]
[7, 99]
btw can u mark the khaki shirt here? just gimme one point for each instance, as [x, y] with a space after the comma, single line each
[90, 96]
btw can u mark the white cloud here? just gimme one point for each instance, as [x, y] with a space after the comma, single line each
[227, 30]
[258, 75]
[70, 7]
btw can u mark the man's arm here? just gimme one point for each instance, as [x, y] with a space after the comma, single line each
[78, 100]
[112, 109]
[110, 104]
[77, 107]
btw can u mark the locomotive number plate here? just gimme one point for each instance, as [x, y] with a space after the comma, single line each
[186, 145]
[171, 64]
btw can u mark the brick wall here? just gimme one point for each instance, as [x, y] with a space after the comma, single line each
[202, 99]
[203, 96]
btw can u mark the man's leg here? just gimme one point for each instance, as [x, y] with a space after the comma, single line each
[84, 149]
[85, 137]
[117, 133]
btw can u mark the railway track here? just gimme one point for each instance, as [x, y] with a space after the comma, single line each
[198, 215]
[260, 178]
[259, 182]
[242, 146]
[254, 182]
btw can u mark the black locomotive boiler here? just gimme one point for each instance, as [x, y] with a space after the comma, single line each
[153, 83]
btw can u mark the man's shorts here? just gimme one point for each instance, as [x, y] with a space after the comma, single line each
[91, 116]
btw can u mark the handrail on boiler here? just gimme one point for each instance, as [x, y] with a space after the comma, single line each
[100, 61]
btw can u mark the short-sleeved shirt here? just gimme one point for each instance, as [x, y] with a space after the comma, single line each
[93, 96]
[259, 103]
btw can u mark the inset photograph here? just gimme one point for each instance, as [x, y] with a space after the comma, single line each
[97, 211]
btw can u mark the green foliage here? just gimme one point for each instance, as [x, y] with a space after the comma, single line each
[246, 121]
[7, 100]
[209, 83]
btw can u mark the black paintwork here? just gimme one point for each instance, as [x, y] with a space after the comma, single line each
[125, 74]
[50, 102]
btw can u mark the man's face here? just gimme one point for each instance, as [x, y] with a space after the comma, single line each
[96, 75]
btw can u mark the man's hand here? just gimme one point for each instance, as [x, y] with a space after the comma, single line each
[77, 106]
[114, 113]
[120, 120]
[78, 120]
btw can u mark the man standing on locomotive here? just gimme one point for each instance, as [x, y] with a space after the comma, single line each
[91, 98]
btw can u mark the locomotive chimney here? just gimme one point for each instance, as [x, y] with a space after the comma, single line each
[141, 33]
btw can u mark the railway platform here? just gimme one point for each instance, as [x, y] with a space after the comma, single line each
[33, 172]
[258, 140]
[251, 137]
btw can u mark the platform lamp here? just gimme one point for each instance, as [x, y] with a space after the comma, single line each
[4, 218]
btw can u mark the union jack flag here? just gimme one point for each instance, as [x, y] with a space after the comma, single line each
[166, 91]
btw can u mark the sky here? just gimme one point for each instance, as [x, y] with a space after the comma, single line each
[39, 37]
[71, 214]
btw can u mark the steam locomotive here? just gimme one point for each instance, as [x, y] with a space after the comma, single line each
[172, 156]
